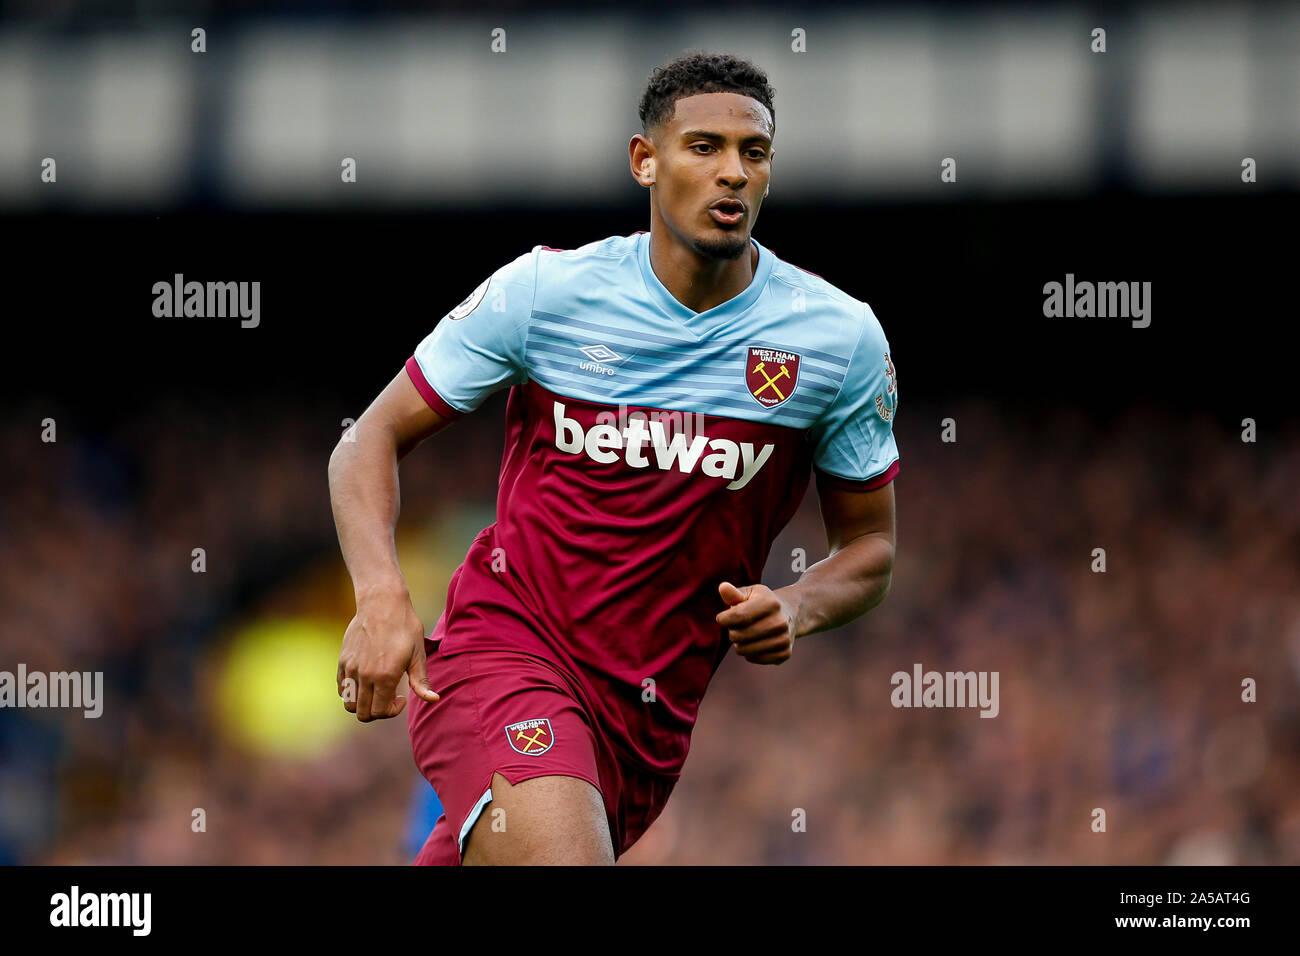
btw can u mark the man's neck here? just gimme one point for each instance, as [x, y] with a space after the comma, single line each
[698, 282]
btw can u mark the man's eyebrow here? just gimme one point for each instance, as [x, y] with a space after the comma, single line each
[705, 134]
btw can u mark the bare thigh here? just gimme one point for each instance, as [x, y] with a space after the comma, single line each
[545, 821]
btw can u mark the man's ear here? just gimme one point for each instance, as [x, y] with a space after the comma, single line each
[647, 165]
[766, 190]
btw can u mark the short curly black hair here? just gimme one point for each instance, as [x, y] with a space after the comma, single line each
[699, 72]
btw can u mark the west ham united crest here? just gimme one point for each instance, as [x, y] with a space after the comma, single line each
[531, 737]
[771, 375]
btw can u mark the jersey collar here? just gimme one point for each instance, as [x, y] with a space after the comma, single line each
[702, 321]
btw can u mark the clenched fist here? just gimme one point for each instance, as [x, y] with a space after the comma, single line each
[759, 623]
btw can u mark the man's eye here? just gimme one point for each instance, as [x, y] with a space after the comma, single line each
[701, 146]
[757, 153]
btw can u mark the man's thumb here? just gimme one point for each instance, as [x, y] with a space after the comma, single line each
[418, 677]
[730, 593]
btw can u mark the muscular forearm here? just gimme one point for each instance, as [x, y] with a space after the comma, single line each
[365, 497]
[843, 586]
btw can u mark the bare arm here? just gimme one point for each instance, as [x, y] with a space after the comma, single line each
[854, 578]
[856, 575]
[385, 638]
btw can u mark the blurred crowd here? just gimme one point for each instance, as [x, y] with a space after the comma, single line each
[1120, 690]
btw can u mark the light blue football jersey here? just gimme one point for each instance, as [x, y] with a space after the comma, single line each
[595, 323]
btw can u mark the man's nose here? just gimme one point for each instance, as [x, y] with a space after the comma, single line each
[733, 172]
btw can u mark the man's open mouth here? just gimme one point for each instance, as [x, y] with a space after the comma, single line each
[727, 211]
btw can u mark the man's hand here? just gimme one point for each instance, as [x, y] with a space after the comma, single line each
[384, 641]
[760, 623]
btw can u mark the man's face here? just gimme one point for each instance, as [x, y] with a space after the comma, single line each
[717, 146]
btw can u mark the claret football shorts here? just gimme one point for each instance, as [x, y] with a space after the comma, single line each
[518, 715]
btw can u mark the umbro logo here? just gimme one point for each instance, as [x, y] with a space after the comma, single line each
[598, 354]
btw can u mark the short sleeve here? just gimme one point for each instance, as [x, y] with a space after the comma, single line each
[478, 347]
[854, 445]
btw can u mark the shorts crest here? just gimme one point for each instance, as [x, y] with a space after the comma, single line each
[531, 737]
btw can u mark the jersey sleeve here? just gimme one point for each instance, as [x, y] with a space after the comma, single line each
[854, 445]
[478, 347]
